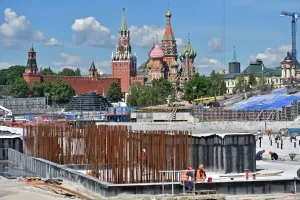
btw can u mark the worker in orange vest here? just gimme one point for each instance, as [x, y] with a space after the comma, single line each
[200, 173]
[187, 179]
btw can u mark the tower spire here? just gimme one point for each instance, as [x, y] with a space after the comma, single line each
[124, 24]
[153, 40]
[156, 39]
[189, 39]
[234, 55]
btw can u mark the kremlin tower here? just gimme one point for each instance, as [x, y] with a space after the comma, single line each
[123, 62]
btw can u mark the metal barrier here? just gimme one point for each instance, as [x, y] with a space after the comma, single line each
[46, 169]
[175, 173]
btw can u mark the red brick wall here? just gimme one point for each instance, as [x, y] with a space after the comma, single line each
[32, 78]
[85, 84]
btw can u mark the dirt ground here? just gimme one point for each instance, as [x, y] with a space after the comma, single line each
[18, 189]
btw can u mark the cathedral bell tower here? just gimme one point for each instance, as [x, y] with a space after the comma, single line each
[123, 62]
[31, 74]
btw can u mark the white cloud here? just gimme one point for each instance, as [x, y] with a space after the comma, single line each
[88, 31]
[103, 67]
[143, 36]
[206, 65]
[272, 56]
[17, 29]
[69, 61]
[53, 42]
[215, 44]
[4, 65]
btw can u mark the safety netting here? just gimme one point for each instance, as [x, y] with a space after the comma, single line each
[272, 101]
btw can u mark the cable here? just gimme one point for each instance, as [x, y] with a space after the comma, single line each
[223, 34]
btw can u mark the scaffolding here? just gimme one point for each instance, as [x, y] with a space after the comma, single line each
[287, 113]
[20, 106]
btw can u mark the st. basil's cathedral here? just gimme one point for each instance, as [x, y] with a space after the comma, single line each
[162, 62]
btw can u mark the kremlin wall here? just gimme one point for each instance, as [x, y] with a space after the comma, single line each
[162, 62]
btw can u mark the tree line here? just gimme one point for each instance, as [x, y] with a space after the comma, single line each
[59, 91]
[242, 85]
[161, 90]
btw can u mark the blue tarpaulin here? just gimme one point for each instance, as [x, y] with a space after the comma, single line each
[273, 101]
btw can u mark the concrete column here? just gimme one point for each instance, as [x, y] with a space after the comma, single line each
[283, 73]
[293, 72]
[288, 73]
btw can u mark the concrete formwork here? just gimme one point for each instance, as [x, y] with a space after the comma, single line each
[228, 153]
[206, 127]
[44, 168]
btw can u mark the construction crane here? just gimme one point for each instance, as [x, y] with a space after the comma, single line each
[295, 17]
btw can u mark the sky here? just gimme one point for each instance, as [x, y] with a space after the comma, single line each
[75, 33]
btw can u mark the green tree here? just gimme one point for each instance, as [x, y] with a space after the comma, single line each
[261, 85]
[252, 80]
[114, 93]
[163, 89]
[69, 72]
[61, 91]
[197, 87]
[47, 71]
[3, 77]
[217, 84]
[13, 73]
[37, 90]
[242, 85]
[19, 88]
[77, 72]
[47, 87]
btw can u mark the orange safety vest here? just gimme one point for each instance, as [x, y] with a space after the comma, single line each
[184, 177]
[200, 175]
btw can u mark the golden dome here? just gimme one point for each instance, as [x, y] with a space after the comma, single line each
[168, 14]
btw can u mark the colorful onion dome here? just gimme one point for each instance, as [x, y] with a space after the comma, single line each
[149, 64]
[174, 63]
[157, 52]
[188, 51]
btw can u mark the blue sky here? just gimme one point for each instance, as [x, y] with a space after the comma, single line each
[74, 33]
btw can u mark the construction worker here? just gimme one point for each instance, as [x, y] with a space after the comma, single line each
[274, 156]
[143, 159]
[200, 173]
[259, 155]
[187, 179]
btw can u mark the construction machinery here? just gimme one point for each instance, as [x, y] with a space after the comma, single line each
[295, 17]
[8, 114]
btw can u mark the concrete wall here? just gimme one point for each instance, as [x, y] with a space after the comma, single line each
[249, 126]
[161, 116]
[42, 168]
[229, 154]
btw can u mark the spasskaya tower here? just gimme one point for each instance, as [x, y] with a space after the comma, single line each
[123, 62]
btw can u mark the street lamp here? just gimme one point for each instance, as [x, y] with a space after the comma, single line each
[102, 89]
[47, 96]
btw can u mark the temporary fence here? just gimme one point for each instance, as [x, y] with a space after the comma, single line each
[114, 154]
